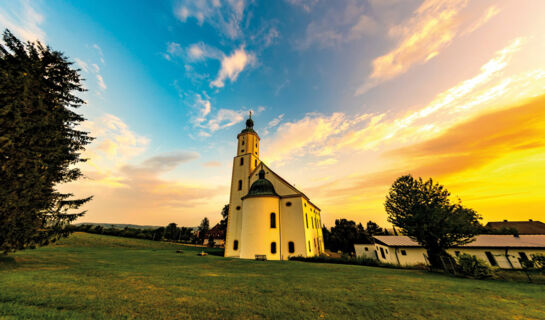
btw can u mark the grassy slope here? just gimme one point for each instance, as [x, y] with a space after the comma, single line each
[101, 277]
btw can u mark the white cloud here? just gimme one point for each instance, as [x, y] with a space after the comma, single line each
[23, 21]
[232, 65]
[101, 83]
[203, 107]
[225, 118]
[96, 67]
[227, 19]
[99, 51]
[306, 5]
[432, 28]
[82, 64]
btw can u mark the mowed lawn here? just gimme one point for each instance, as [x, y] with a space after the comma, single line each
[100, 277]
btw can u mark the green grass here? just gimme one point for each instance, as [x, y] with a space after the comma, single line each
[98, 277]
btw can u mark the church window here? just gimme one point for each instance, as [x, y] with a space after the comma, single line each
[273, 247]
[273, 220]
[288, 204]
[238, 207]
[291, 247]
[242, 151]
[235, 245]
[239, 184]
[312, 219]
[241, 161]
[306, 219]
[309, 246]
[242, 142]
[256, 163]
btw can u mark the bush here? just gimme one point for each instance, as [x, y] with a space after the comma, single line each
[538, 260]
[474, 267]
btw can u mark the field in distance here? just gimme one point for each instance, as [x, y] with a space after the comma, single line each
[91, 276]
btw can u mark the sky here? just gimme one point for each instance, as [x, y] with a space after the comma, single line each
[346, 96]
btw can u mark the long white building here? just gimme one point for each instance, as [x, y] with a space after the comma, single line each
[504, 251]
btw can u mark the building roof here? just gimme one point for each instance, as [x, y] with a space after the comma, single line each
[523, 227]
[261, 187]
[481, 241]
[297, 191]
[216, 232]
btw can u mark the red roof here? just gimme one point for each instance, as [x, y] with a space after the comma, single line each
[523, 227]
[216, 232]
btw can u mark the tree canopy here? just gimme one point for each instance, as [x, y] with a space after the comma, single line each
[423, 211]
[40, 145]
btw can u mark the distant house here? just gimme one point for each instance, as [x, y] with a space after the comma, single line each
[217, 234]
[504, 251]
[522, 227]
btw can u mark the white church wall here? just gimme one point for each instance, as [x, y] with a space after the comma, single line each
[257, 234]
[292, 227]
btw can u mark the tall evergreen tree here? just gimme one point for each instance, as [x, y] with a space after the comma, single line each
[204, 228]
[39, 143]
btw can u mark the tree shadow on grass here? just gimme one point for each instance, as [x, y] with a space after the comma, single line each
[7, 262]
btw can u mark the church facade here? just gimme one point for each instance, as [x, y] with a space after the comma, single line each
[268, 217]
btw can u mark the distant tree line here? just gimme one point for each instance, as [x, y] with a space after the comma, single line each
[170, 232]
[346, 233]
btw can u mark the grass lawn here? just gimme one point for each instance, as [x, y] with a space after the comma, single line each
[99, 277]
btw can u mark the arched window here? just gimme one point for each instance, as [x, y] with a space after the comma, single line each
[255, 163]
[306, 219]
[242, 142]
[241, 161]
[239, 184]
[235, 245]
[273, 220]
[291, 247]
[273, 247]
[288, 204]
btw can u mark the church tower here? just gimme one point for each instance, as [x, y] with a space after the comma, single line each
[244, 163]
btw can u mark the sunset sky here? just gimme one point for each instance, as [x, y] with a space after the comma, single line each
[347, 96]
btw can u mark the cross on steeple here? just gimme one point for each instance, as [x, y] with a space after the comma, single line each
[250, 114]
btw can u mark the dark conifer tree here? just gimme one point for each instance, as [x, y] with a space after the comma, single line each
[39, 143]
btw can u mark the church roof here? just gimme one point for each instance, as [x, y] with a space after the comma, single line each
[261, 187]
[296, 191]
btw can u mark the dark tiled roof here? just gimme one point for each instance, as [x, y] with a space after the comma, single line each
[216, 232]
[523, 227]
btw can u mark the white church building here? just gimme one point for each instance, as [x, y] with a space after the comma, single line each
[268, 217]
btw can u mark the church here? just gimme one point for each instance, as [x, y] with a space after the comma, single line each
[268, 217]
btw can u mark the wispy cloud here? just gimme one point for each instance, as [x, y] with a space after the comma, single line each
[432, 28]
[101, 83]
[232, 66]
[23, 20]
[82, 64]
[306, 5]
[100, 53]
[225, 17]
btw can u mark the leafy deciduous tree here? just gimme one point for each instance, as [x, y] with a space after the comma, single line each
[422, 210]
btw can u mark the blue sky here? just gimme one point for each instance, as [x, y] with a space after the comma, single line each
[337, 89]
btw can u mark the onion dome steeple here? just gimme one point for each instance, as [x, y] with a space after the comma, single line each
[262, 187]
[249, 125]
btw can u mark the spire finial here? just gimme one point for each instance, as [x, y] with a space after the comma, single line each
[250, 114]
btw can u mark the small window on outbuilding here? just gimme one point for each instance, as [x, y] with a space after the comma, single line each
[235, 245]
[382, 253]
[366, 249]
[457, 253]
[239, 185]
[273, 247]
[291, 247]
[491, 258]
[273, 220]
[403, 252]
